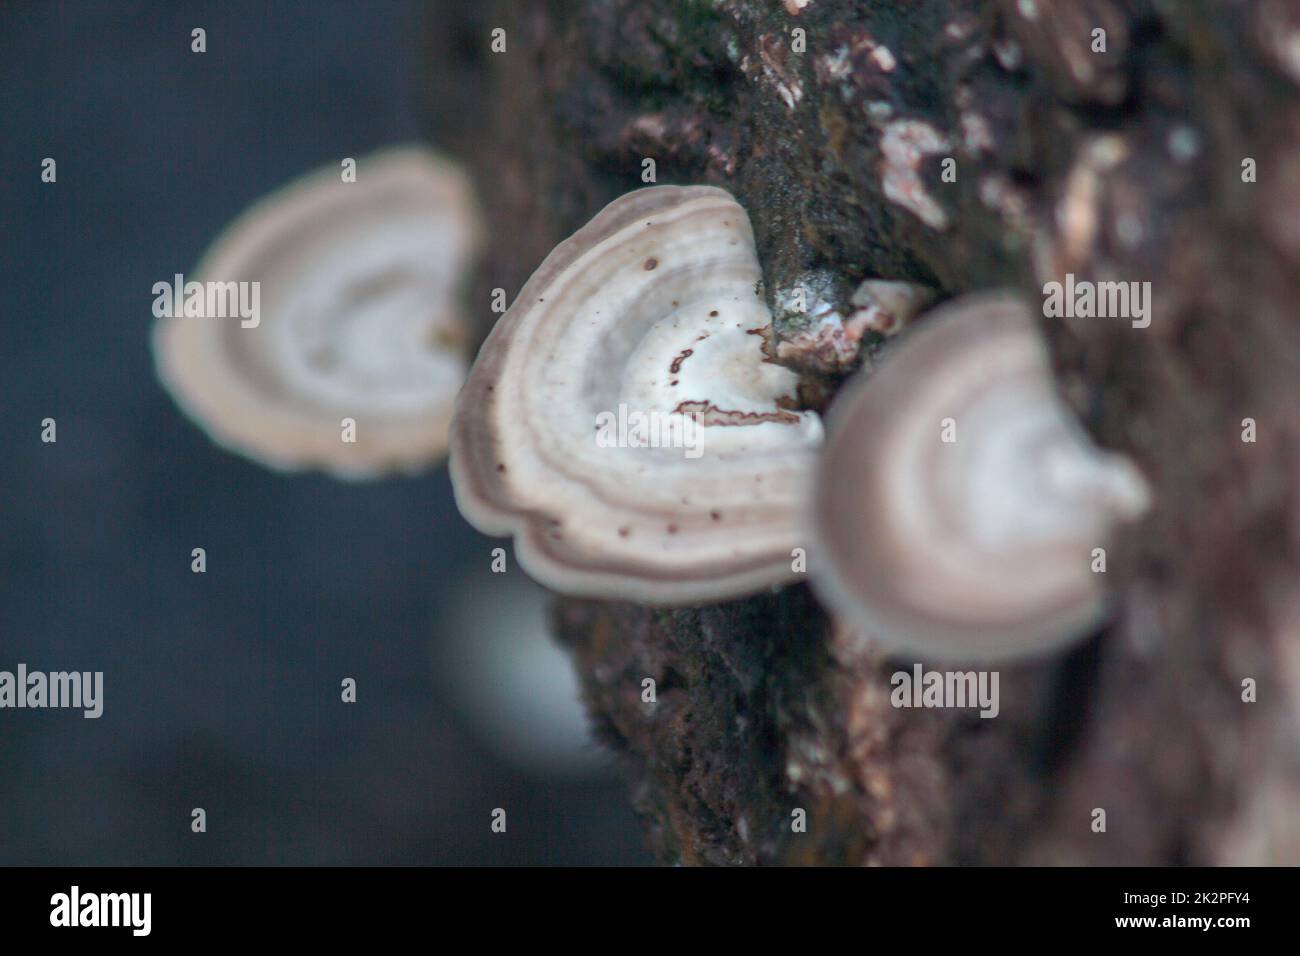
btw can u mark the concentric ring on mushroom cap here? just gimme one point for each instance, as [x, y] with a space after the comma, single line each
[978, 549]
[358, 319]
[653, 306]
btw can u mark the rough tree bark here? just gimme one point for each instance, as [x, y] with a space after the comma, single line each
[1126, 165]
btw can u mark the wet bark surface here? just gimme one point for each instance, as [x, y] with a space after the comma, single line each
[1124, 165]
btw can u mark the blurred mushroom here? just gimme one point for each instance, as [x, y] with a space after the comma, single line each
[622, 420]
[358, 320]
[977, 547]
[513, 685]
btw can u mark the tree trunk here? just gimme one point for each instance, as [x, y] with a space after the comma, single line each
[1127, 164]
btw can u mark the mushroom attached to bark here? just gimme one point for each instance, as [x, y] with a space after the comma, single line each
[622, 420]
[885, 306]
[357, 350]
[959, 504]
[826, 341]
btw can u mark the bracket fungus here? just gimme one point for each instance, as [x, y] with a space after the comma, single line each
[622, 420]
[958, 502]
[355, 359]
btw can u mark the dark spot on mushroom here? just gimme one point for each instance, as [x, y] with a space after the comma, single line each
[682, 356]
[651, 263]
[672, 529]
[325, 358]
[676, 303]
[713, 314]
[442, 339]
[624, 532]
[673, 382]
[715, 515]
[501, 467]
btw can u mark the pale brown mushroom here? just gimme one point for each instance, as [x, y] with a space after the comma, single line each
[354, 362]
[980, 547]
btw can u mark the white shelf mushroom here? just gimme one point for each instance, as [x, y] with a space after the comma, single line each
[958, 502]
[358, 320]
[622, 420]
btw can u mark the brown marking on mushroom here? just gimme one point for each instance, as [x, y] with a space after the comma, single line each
[324, 357]
[682, 356]
[651, 263]
[708, 414]
[765, 339]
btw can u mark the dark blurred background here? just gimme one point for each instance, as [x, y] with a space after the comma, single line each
[222, 690]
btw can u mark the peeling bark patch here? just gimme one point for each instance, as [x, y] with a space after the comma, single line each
[773, 52]
[884, 59]
[903, 145]
[976, 135]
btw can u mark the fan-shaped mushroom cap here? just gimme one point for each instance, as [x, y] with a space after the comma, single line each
[358, 320]
[651, 309]
[978, 548]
